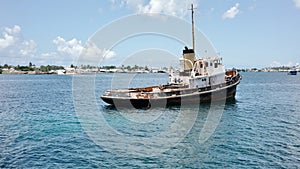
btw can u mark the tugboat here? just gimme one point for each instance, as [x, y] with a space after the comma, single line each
[197, 80]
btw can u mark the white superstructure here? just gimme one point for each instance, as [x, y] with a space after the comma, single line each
[198, 73]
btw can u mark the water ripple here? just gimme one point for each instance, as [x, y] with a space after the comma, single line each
[39, 127]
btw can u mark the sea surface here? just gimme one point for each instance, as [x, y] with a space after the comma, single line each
[50, 121]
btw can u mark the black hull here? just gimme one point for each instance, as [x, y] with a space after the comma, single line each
[226, 93]
[292, 72]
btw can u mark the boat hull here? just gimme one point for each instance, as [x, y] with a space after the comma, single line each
[215, 93]
[292, 72]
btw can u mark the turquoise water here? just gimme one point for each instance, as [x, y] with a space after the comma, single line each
[40, 127]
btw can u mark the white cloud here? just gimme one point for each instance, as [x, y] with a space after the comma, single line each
[297, 3]
[28, 48]
[91, 54]
[169, 7]
[10, 36]
[275, 64]
[108, 54]
[67, 52]
[278, 64]
[232, 12]
[71, 48]
[14, 48]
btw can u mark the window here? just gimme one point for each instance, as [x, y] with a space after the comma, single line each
[216, 65]
[211, 63]
[201, 65]
[206, 64]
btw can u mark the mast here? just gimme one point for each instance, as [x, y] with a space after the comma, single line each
[188, 60]
[193, 34]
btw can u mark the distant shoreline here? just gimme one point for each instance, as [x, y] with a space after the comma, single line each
[87, 69]
[87, 73]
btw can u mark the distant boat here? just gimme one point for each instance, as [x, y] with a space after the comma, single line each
[161, 71]
[198, 80]
[292, 72]
[61, 72]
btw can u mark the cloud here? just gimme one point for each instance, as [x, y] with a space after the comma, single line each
[16, 50]
[68, 51]
[232, 12]
[14, 47]
[275, 64]
[297, 3]
[170, 7]
[91, 54]
[28, 48]
[10, 36]
[71, 48]
[278, 64]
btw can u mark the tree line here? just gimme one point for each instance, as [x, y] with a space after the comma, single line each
[31, 67]
[47, 68]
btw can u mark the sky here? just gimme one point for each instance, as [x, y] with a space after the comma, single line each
[246, 33]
